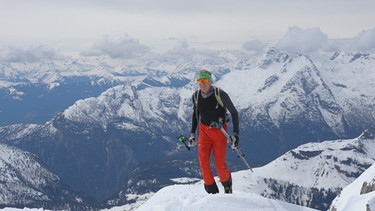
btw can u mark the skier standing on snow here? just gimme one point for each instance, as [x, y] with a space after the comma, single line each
[208, 109]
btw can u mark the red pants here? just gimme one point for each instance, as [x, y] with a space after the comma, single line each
[212, 140]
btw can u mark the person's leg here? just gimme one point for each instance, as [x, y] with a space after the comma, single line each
[228, 185]
[219, 152]
[204, 153]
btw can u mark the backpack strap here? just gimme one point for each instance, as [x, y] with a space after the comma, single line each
[217, 96]
[195, 97]
[218, 99]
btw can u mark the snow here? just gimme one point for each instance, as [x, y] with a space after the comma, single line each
[351, 199]
[25, 176]
[193, 197]
[189, 197]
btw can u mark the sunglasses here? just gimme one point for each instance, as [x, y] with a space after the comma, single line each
[203, 81]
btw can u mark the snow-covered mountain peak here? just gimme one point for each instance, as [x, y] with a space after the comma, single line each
[272, 57]
[263, 82]
[329, 164]
[349, 57]
[131, 106]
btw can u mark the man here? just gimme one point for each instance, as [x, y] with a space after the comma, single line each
[208, 109]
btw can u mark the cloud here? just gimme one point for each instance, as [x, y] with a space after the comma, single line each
[73, 25]
[182, 49]
[298, 40]
[32, 54]
[313, 40]
[124, 47]
[254, 45]
[364, 41]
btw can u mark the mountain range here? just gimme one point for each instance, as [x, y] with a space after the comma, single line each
[110, 145]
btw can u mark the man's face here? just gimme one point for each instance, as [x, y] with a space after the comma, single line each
[205, 85]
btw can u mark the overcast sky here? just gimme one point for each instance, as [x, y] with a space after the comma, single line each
[86, 25]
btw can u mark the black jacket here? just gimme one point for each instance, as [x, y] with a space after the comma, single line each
[209, 110]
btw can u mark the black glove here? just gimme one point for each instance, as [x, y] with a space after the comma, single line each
[235, 139]
[191, 140]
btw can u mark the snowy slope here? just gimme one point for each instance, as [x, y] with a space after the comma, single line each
[193, 197]
[22, 178]
[26, 182]
[329, 164]
[355, 196]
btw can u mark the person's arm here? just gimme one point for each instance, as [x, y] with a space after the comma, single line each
[194, 120]
[233, 111]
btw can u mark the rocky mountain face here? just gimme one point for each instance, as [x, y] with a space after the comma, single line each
[25, 182]
[360, 194]
[313, 174]
[285, 100]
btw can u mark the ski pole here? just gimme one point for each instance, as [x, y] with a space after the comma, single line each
[183, 139]
[229, 140]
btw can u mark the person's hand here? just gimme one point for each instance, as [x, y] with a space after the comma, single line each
[191, 140]
[235, 139]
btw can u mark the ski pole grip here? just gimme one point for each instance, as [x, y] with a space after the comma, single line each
[181, 138]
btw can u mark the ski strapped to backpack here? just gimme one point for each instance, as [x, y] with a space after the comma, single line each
[230, 141]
